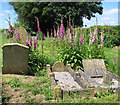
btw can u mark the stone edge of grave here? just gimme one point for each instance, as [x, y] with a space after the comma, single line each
[58, 92]
[78, 78]
[11, 44]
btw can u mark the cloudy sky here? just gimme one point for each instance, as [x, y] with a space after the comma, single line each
[109, 16]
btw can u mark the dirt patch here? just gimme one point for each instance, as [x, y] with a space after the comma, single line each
[21, 94]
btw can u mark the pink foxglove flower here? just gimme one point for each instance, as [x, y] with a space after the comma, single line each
[71, 45]
[51, 33]
[109, 30]
[54, 32]
[93, 39]
[69, 42]
[81, 28]
[47, 35]
[38, 25]
[61, 30]
[102, 37]
[71, 30]
[18, 36]
[27, 43]
[10, 30]
[114, 59]
[10, 41]
[83, 40]
[30, 42]
[41, 44]
[34, 45]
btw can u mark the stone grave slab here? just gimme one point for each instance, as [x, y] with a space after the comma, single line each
[23, 34]
[58, 67]
[94, 67]
[15, 58]
[66, 81]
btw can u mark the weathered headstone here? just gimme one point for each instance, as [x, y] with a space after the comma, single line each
[23, 34]
[15, 58]
[58, 67]
[40, 35]
[94, 67]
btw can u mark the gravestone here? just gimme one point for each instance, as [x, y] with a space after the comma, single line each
[15, 58]
[94, 67]
[58, 67]
[40, 35]
[23, 34]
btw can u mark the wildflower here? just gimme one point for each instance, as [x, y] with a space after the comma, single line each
[54, 32]
[27, 43]
[30, 42]
[51, 33]
[10, 30]
[38, 24]
[81, 28]
[61, 30]
[82, 40]
[41, 44]
[114, 59]
[47, 34]
[10, 41]
[18, 36]
[34, 45]
[93, 39]
[71, 30]
[109, 30]
[71, 45]
[69, 42]
[102, 37]
[5, 32]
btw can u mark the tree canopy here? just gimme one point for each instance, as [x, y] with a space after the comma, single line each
[50, 13]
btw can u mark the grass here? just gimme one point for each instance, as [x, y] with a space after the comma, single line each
[3, 40]
[39, 86]
[39, 90]
[109, 54]
[28, 91]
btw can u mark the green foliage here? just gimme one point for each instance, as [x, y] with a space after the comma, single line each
[37, 62]
[80, 50]
[111, 35]
[50, 13]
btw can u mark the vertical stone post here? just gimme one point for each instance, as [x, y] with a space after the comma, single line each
[91, 90]
[107, 79]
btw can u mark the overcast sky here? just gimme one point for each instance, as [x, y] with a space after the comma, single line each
[109, 16]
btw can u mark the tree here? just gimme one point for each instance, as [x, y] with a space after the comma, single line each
[50, 13]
